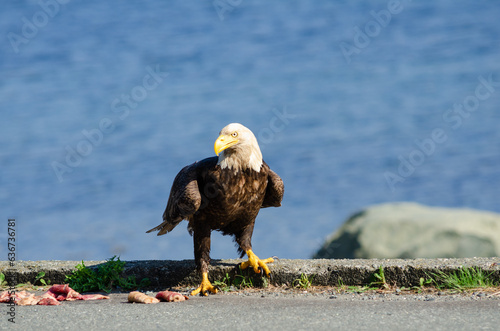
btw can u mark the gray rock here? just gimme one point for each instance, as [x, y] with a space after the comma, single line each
[409, 230]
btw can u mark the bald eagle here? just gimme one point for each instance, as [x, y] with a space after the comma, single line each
[225, 194]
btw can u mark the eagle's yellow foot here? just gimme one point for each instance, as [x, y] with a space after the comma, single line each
[205, 286]
[255, 263]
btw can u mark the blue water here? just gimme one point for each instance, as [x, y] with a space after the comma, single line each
[333, 130]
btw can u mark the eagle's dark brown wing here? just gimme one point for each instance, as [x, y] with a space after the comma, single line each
[184, 200]
[274, 191]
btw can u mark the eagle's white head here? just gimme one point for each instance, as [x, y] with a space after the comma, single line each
[237, 148]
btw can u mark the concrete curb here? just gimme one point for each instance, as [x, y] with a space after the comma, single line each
[164, 274]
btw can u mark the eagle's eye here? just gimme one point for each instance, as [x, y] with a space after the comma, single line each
[234, 134]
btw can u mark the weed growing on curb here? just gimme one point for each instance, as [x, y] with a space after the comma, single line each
[224, 284]
[379, 279]
[353, 288]
[3, 282]
[463, 279]
[423, 283]
[303, 282]
[104, 279]
[39, 277]
[240, 281]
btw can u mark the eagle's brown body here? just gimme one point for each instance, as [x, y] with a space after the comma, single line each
[226, 199]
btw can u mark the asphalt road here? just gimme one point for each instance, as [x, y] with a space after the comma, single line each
[259, 311]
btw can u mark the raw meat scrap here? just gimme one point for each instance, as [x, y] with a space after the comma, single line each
[171, 296]
[141, 298]
[50, 298]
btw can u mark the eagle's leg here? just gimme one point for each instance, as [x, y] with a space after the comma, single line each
[201, 238]
[243, 239]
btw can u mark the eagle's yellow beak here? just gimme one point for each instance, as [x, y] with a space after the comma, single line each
[223, 142]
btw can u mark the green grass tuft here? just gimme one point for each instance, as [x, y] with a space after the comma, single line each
[107, 277]
[423, 283]
[463, 279]
[379, 280]
[3, 282]
[245, 279]
[39, 278]
[42, 281]
[303, 282]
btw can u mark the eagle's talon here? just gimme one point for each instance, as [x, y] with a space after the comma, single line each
[257, 264]
[205, 287]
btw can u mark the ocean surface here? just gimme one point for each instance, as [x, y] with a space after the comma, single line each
[354, 103]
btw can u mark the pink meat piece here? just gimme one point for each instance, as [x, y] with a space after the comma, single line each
[43, 300]
[171, 296]
[50, 298]
[64, 292]
[5, 297]
[28, 300]
[22, 295]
